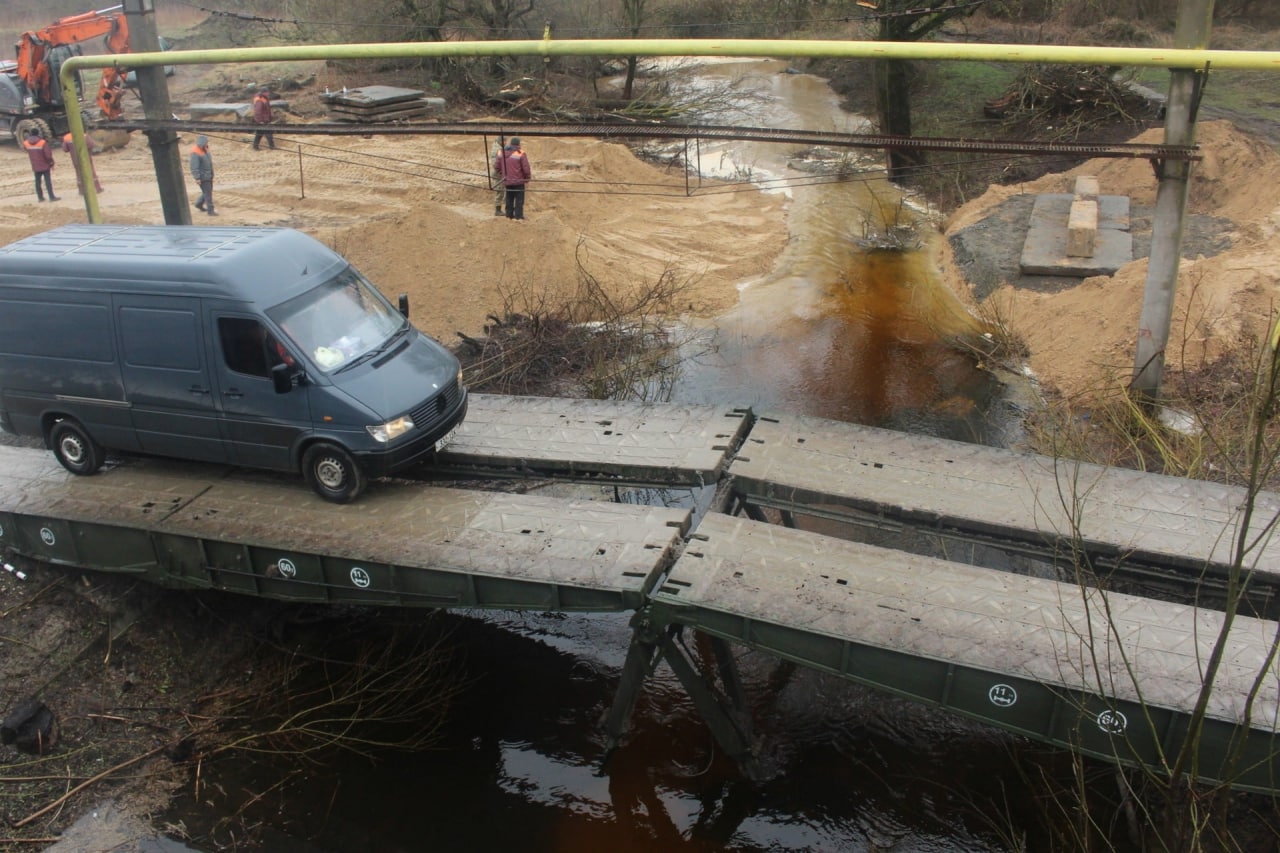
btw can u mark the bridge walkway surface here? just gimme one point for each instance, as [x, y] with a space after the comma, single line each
[1148, 528]
[1108, 674]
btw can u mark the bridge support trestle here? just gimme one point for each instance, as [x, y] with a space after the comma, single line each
[724, 710]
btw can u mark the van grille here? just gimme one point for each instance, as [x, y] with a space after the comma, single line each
[432, 413]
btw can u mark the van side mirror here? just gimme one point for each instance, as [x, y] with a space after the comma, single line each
[404, 304]
[282, 378]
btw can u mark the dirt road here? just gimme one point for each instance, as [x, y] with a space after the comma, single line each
[415, 214]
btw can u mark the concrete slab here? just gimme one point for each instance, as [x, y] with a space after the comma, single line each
[241, 110]
[1082, 228]
[1087, 187]
[211, 109]
[1045, 250]
[373, 95]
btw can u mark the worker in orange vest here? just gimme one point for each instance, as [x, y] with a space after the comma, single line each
[202, 171]
[41, 156]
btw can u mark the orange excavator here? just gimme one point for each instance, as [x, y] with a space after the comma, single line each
[33, 97]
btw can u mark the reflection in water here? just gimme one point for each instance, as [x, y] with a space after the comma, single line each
[519, 765]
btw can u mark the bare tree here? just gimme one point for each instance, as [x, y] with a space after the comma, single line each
[633, 19]
[907, 20]
[499, 19]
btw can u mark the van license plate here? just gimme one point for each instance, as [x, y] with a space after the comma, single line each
[448, 437]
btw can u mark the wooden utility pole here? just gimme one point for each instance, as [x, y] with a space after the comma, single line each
[154, 88]
[1194, 21]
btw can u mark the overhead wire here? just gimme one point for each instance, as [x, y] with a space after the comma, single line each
[479, 180]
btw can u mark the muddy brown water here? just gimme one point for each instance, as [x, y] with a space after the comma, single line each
[843, 326]
[835, 331]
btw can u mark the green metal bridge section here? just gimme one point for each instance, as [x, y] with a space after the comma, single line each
[1107, 674]
[1111, 675]
[1166, 532]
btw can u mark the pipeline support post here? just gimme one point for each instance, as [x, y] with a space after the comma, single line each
[1194, 21]
[154, 89]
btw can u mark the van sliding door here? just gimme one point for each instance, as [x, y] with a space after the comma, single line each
[174, 402]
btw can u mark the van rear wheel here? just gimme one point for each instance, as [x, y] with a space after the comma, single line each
[75, 448]
[331, 471]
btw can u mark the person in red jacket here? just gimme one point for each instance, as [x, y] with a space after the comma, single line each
[512, 166]
[262, 117]
[41, 156]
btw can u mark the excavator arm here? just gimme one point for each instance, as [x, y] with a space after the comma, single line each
[39, 74]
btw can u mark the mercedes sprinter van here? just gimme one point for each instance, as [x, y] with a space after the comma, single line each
[258, 347]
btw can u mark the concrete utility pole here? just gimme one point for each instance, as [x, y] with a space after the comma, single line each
[165, 152]
[1195, 18]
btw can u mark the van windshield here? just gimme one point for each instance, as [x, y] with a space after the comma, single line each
[338, 321]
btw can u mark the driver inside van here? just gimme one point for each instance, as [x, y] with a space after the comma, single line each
[250, 348]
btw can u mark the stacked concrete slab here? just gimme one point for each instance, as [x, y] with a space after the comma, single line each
[1080, 234]
[380, 104]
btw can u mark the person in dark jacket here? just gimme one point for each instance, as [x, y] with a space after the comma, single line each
[513, 166]
[41, 156]
[262, 117]
[202, 171]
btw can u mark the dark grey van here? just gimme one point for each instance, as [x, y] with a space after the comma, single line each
[250, 346]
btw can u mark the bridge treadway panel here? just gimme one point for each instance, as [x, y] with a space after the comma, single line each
[998, 622]
[658, 443]
[996, 492]
[580, 543]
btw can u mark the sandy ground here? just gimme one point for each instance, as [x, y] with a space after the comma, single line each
[417, 217]
[1082, 337]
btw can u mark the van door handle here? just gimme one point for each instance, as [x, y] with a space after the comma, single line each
[196, 389]
[233, 392]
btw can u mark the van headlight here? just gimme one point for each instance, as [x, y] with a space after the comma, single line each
[391, 429]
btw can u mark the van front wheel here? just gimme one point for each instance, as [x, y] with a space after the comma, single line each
[332, 473]
[74, 447]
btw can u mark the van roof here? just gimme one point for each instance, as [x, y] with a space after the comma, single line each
[263, 265]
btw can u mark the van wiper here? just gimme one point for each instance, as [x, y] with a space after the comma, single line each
[378, 350]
